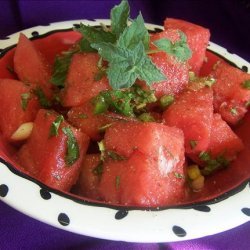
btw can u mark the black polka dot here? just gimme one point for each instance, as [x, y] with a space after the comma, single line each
[121, 214]
[158, 29]
[3, 190]
[1, 50]
[76, 25]
[35, 33]
[244, 68]
[45, 194]
[246, 211]
[180, 232]
[63, 219]
[202, 208]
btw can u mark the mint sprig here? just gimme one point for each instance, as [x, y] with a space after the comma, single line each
[179, 49]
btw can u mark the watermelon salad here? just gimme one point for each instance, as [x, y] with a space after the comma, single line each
[120, 115]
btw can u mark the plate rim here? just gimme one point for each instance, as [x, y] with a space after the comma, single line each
[174, 233]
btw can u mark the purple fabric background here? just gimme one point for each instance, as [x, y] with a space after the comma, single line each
[228, 22]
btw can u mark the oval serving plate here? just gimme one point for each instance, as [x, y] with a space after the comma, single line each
[228, 192]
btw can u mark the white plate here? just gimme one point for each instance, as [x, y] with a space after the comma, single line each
[176, 224]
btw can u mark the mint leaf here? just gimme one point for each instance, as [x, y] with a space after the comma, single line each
[179, 49]
[126, 65]
[93, 35]
[73, 151]
[134, 34]
[119, 17]
[43, 101]
[55, 125]
[61, 67]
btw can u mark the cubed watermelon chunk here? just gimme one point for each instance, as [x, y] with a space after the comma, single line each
[45, 156]
[18, 106]
[81, 85]
[31, 67]
[176, 72]
[151, 139]
[192, 112]
[231, 92]
[197, 39]
[224, 146]
[83, 117]
[91, 170]
[143, 181]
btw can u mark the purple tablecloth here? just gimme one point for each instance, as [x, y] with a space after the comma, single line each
[229, 24]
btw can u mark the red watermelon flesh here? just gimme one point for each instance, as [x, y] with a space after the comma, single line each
[197, 39]
[192, 112]
[151, 139]
[44, 155]
[230, 96]
[31, 67]
[223, 140]
[224, 146]
[176, 72]
[87, 184]
[81, 85]
[18, 106]
[83, 117]
[140, 181]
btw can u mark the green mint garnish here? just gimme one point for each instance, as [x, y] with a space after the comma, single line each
[246, 84]
[127, 102]
[179, 49]
[55, 125]
[193, 144]
[73, 151]
[44, 102]
[25, 97]
[233, 111]
[61, 67]
[166, 101]
[98, 170]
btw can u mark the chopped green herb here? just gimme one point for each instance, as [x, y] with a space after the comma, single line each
[193, 144]
[25, 97]
[126, 102]
[204, 156]
[166, 100]
[61, 67]
[209, 81]
[192, 76]
[211, 165]
[98, 170]
[44, 102]
[117, 181]
[246, 84]
[100, 105]
[179, 49]
[113, 155]
[55, 125]
[73, 152]
[233, 111]
[10, 69]
[146, 117]
[179, 175]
